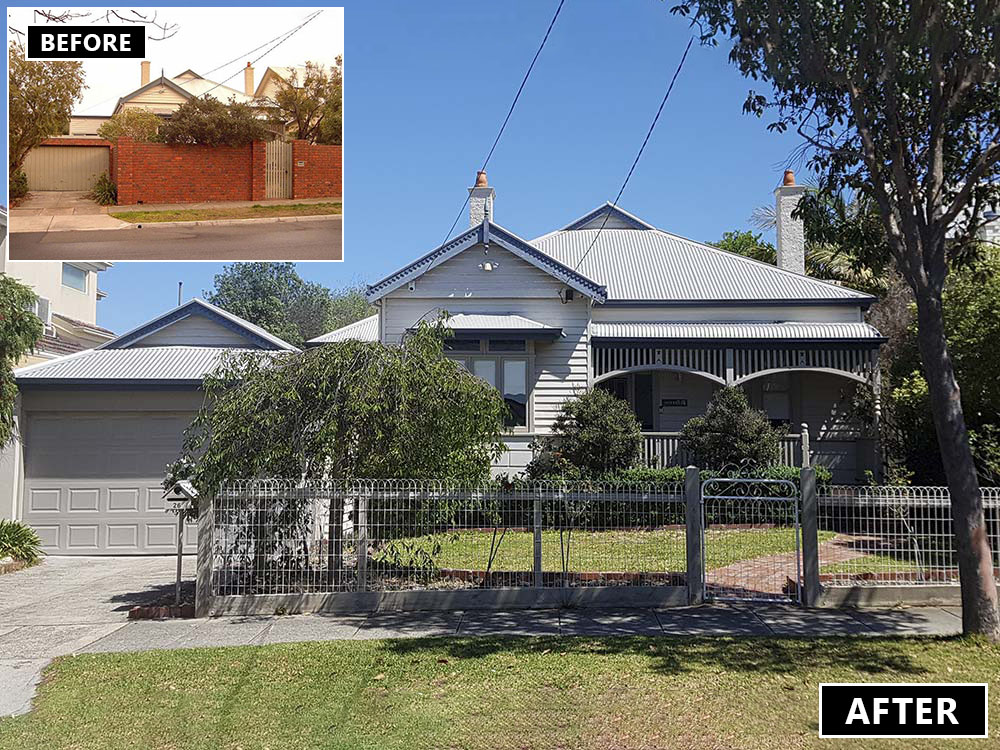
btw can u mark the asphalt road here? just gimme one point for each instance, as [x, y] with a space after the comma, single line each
[278, 241]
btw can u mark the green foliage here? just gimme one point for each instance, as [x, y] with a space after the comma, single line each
[19, 542]
[41, 98]
[275, 297]
[673, 474]
[312, 102]
[749, 245]
[104, 192]
[972, 326]
[208, 122]
[18, 185]
[731, 434]
[20, 330]
[346, 410]
[593, 434]
[135, 123]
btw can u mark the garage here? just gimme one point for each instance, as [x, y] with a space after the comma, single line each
[93, 481]
[99, 428]
[66, 167]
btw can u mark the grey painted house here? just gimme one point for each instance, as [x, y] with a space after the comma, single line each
[611, 301]
[99, 427]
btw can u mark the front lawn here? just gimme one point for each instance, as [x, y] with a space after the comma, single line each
[600, 693]
[634, 551]
[245, 212]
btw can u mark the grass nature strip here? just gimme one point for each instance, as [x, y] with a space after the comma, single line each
[588, 693]
[244, 212]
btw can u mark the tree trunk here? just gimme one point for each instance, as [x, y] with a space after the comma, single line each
[975, 560]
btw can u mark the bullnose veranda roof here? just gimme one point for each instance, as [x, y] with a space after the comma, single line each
[737, 331]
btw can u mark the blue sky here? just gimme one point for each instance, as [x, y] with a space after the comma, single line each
[426, 87]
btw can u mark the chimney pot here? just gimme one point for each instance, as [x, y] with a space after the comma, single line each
[248, 80]
[480, 201]
[144, 76]
[789, 178]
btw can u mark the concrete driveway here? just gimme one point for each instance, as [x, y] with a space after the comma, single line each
[60, 210]
[65, 604]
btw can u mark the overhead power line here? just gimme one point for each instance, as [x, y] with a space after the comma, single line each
[638, 156]
[283, 38]
[250, 52]
[510, 111]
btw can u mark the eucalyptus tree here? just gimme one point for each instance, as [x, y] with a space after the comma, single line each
[899, 102]
[20, 330]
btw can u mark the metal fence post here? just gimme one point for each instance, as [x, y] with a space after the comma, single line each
[203, 583]
[695, 563]
[361, 540]
[810, 540]
[537, 533]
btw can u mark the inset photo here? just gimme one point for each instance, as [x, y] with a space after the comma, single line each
[219, 137]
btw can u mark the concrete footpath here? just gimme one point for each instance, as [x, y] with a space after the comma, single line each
[80, 605]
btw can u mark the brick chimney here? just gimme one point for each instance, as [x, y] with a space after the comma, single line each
[791, 232]
[480, 201]
[144, 65]
[248, 80]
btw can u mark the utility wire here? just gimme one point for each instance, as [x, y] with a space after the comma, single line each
[250, 52]
[285, 38]
[638, 155]
[509, 112]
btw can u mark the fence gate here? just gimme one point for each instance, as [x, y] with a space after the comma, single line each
[279, 169]
[751, 541]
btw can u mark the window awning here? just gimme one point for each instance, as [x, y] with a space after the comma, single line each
[737, 331]
[506, 325]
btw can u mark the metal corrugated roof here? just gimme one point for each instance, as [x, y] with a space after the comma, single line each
[737, 330]
[505, 322]
[362, 330]
[652, 265]
[152, 363]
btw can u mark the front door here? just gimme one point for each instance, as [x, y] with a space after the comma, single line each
[643, 400]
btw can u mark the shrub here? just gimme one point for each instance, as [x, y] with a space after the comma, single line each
[138, 124]
[593, 435]
[104, 191]
[18, 185]
[209, 122]
[732, 434]
[19, 542]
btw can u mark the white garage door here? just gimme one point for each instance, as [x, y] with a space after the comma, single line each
[65, 167]
[92, 482]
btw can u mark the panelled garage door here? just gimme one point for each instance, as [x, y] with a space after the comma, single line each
[65, 167]
[93, 482]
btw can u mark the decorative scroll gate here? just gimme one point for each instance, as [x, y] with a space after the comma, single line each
[279, 169]
[748, 527]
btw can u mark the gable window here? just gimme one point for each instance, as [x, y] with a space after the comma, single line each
[74, 278]
[503, 363]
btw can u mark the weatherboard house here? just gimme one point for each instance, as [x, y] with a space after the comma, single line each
[662, 321]
[607, 301]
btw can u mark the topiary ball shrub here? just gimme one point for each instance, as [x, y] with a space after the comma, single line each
[19, 542]
[732, 434]
[594, 434]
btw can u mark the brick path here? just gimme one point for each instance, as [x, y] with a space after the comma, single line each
[768, 576]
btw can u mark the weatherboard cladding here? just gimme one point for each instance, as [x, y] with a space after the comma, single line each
[736, 331]
[154, 363]
[653, 266]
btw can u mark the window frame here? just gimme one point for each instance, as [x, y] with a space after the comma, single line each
[467, 360]
[86, 278]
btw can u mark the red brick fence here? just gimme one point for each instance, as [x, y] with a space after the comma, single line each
[162, 173]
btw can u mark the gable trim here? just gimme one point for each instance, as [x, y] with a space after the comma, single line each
[608, 207]
[475, 235]
[161, 81]
[254, 334]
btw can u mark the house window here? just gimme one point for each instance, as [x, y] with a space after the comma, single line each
[74, 278]
[461, 345]
[515, 391]
[508, 345]
[507, 374]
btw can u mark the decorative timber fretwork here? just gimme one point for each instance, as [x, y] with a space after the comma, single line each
[737, 364]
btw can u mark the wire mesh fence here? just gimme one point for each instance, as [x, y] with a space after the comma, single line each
[279, 537]
[752, 543]
[894, 535]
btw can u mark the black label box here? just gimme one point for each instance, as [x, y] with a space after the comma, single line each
[908, 710]
[57, 42]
